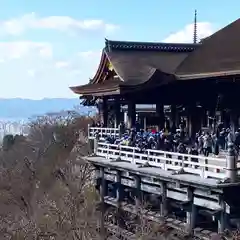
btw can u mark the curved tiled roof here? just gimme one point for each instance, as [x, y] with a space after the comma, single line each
[218, 55]
[109, 85]
[137, 67]
[136, 63]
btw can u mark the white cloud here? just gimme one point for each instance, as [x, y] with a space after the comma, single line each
[17, 50]
[61, 64]
[204, 29]
[17, 26]
[89, 55]
[30, 70]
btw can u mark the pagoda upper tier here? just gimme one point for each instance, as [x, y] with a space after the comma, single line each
[127, 66]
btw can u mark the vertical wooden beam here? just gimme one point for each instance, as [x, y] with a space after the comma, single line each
[173, 118]
[160, 115]
[204, 118]
[117, 112]
[163, 200]
[194, 115]
[189, 121]
[138, 192]
[103, 193]
[104, 112]
[191, 213]
[131, 114]
[222, 219]
[234, 120]
[144, 122]
[119, 196]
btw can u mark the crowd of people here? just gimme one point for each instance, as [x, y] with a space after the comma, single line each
[206, 142]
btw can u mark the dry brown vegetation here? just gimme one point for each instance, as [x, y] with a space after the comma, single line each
[46, 187]
[45, 190]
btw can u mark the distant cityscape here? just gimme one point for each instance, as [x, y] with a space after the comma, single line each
[15, 114]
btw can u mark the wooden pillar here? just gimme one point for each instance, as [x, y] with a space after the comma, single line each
[144, 122]
[160, 115]
[119, 196]
[194, 120]
[191, 213]
[103, 111]
[103, 193]
[117, 113]
[204, 118]
[138, 192]
[163, 200]
[189, 122]
[234, 120]
[222, 218]
[131, 114]
[173, 118]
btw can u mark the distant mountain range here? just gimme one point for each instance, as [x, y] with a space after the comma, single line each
[18, 108]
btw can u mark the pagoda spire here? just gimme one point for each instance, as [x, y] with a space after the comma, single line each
[195, 28]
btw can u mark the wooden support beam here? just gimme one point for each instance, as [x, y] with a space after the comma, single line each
[160, 115]
[163, 200]
[103, 193]
[173, 118]
[191, 213]
[119, 196]
[117, 113]
[131, 114]
[138, 192]
[222, 218]
[103, 110]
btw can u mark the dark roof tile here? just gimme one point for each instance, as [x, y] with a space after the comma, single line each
[164, 47]
[137, 67]
[218, 54]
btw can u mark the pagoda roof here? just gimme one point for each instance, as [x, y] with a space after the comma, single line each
[136, 63]
[219, 55]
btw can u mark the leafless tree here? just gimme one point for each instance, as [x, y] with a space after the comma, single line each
[45, 185]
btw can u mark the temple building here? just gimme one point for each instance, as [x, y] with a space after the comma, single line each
[194, 83]
[201, 78]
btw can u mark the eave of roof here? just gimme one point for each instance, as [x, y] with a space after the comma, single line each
[154, 46]
[97, 89]
[207, 75]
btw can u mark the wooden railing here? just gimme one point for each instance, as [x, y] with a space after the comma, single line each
[170, 161]
[102, 132]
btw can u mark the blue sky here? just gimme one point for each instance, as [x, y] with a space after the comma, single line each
[47, 46]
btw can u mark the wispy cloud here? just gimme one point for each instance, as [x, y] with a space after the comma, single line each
[185, 35]
[17, 26]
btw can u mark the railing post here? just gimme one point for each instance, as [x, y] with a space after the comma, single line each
[231, 169]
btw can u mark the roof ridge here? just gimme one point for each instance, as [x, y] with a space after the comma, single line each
[156, 46]
[107, 42]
